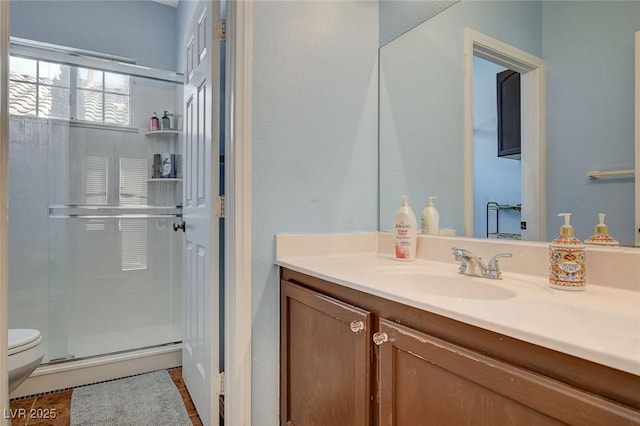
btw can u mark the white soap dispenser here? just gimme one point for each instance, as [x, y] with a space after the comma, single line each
[405, 229]
[430, 218]
[567, 267]
[601, 235]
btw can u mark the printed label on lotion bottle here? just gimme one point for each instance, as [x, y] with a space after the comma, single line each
[405, 229]
[403, 241]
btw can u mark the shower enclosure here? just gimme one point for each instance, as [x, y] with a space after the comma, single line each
[94, 263]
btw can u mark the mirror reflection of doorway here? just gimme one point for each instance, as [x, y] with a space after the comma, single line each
[496, 168]
[479, 46]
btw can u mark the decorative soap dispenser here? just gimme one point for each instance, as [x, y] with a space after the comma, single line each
[567, 259]
[601, 235]
[405, 229]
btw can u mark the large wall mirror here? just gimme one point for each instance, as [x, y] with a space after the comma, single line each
[587, 51]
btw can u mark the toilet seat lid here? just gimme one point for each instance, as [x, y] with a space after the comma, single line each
[19, 337]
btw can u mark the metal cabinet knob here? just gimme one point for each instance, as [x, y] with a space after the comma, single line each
[357, 326]
[178, 225]
[380, 337]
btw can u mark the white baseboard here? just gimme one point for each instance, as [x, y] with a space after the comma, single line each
[70, 374]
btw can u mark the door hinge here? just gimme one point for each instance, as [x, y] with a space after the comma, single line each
[221, 390]
[223, 30]
[221, 213]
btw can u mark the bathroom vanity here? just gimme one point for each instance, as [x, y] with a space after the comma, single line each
[366, 340]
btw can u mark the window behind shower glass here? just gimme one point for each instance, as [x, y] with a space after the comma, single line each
[91, 97]
[53, 90]
[102, 97]
[38, 88]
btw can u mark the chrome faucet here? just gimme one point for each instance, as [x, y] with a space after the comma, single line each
[470, 264]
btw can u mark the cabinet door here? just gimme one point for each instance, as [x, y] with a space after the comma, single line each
[427, 381]
[326, 355]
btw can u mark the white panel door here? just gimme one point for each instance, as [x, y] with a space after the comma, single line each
[201, 209]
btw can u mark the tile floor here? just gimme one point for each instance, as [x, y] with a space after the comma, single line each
[61, 402]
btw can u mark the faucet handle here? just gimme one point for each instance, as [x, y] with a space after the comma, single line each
[460, 255]
[458, 252]
[493, 268]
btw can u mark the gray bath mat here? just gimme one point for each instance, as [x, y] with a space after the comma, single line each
[148, 399]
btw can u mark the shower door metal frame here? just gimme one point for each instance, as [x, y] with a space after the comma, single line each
[76, 57]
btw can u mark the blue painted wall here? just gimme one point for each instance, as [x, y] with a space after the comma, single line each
[142, 30]
[314, 147]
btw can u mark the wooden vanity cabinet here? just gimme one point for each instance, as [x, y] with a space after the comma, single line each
[427, 369]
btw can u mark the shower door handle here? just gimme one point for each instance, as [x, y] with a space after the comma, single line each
[178, 225]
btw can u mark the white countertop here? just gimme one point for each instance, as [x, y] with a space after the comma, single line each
[600, 324]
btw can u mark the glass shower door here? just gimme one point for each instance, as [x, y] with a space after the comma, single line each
[94, 263]
[114, 273]
[115, 264]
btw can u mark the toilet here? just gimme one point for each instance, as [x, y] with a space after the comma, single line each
[25, 354]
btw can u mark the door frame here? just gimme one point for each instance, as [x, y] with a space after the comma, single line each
[533, 170]
[238, 192]
[636, 230]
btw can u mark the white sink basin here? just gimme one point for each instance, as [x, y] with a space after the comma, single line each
[451, 284]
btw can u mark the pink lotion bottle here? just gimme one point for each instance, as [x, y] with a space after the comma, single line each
[405, 228]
